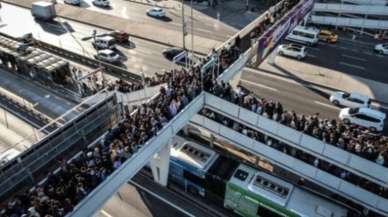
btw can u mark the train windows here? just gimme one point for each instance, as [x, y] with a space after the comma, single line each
[264, 211]
[241, 175]
[193, 178]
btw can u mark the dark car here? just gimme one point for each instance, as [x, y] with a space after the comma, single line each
[170, 53]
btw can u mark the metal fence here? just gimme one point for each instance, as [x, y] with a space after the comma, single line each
[73, 136]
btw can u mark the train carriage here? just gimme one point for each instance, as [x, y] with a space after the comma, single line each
[189, 164]
[251, 193]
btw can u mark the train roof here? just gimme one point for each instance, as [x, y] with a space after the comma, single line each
[267, 186]
[307, 204]
[192, 153]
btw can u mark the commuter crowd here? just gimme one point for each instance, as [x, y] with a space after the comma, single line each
[352, 138]
[296, 153]
[63, 190]
[76, 178]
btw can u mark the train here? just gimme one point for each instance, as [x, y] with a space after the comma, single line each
[245, 190]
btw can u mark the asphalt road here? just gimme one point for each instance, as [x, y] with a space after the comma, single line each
[303, 99]
[353, 57]
[203, 25]
[139, 56]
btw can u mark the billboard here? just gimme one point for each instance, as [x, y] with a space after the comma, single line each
[270, 39]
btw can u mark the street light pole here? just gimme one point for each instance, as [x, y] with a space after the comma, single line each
[183, 26]
[192, 33]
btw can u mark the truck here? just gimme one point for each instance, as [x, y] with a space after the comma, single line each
[43, 10]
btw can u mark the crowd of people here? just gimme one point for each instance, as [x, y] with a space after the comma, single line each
[63, 190]
[296, 153]
[355, 139]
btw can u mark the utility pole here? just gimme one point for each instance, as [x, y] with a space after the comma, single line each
[183, 26]
[192, 34]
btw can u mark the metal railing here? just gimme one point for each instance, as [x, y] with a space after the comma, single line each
[79, 131]
[316, 175]
[337, 156]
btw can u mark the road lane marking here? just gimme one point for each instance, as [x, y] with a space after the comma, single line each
[354, 58]
[105, 213]
[352, 65]
[162, 199]
[259, 85]
[326, 105]
[311, 55]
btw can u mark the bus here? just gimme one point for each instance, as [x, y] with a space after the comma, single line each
[304, 35]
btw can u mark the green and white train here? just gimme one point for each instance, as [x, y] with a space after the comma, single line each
[241, 188]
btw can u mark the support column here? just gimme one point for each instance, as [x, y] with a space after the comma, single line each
[160, 163]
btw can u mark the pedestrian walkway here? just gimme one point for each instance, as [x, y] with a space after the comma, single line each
[141, 30]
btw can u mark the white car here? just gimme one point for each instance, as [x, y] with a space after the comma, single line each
[156, 12]
[292, 50]
[351, 100]
[382, 48]
[365, 117]
[108, 56]
[101, 3]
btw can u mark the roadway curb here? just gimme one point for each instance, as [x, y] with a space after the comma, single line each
[310, 83]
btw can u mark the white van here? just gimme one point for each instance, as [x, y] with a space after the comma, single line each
[365, 117]
[106, 42]
[73, 2]
[304, 35]
[8, 155]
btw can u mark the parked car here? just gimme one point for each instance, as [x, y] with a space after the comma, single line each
[73, 2]
[106, 42]
[328, 36]
[382, 48]
[108, 56]
[292, 50]
[351, 100]
[8, 155]
[365, 117]
[156, 12]
[101, 3]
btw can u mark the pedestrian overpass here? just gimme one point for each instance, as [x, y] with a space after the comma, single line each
[156, 150]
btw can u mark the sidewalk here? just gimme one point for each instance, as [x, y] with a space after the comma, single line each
[326, 77]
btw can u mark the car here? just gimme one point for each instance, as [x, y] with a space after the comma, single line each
[108, 56]
[292, 50]
[365, 117]
[351, 100]
[173, 52]
[101, 3]
[156, 12]
[8, 155]
[170, 53]
[328, 36]
[381, 48]
[73, 2]
[121, 37]
[105, 42]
